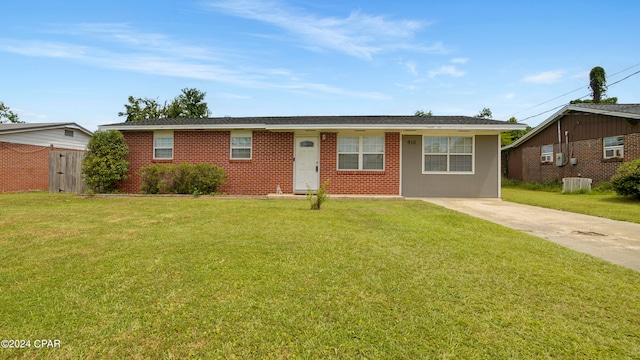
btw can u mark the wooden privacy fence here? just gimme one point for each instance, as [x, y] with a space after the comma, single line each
[65, 172]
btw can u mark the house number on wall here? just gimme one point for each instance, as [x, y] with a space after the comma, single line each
[412, 142]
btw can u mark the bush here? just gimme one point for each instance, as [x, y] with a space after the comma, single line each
[602, 187]
[626, 181]
[321, 196]
[193, 179]
[105, 165]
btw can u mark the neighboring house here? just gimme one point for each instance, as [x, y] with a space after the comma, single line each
[25, 148]
[580, 140]
[445, 156]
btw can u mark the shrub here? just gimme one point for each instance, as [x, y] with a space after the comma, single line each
[321, 196]
[105, 165]
[602, 187]
[193, 179]
[626, 181]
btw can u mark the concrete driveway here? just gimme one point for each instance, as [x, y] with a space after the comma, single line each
[615, 241]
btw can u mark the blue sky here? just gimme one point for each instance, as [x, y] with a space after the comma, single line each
[80, 60]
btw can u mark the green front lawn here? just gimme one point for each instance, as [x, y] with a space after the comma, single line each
[606, 205]
[222, 278]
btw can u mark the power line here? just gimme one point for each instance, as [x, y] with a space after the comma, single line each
[557, 97]
[624, 78]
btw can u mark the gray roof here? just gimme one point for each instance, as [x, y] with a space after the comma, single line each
[624, 111]
[24, 127]
[627, 109]
[319, 122]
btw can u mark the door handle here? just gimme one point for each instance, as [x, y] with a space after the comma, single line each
[316, 168]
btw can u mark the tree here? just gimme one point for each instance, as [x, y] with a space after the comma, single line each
[598, 85]
[422, 113]
[513, 135]
[142, 109]
[189, 104]
[485, 113]
[7, 115]
[105, 165]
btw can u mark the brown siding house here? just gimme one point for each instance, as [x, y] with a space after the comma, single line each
[580, 140]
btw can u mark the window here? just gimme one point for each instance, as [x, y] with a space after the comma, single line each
[448, 154]
[163, 145]
[614, 147]
[546, 154]
[241, 145]
[361, 153]
[68, 133]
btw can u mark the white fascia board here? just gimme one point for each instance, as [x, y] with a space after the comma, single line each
[326, 127]
[561, 113]
[399, 127]
[182, 127]
[48, 127]
[539, 128]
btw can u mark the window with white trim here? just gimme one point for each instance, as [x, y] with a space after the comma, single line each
[163, 145]
[444, 154]
[360, 152]
[613, 147]
[546, 154]
[241, 145]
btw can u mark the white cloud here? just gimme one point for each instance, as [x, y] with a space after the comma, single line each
[582, 75]
[164, 56]
[405, 86]
[231, 96]
[411, 67]
[447, 70]
[360, 35]
[510, 96]
[459, 60]
[547, 77]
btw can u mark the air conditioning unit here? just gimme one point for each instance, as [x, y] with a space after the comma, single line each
[613, 153]
[570, 185]
[546, 158]
[559, 159]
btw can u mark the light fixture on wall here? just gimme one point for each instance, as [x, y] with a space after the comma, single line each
[324, 137]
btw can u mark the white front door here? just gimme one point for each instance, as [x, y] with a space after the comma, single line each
[307, 163]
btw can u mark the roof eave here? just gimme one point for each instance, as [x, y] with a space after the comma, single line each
[399, 127]
[604, 112]
[48, 127]
[181, 127]
[565, 109]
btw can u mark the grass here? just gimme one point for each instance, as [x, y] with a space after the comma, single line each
[604, 204]
[236, 278]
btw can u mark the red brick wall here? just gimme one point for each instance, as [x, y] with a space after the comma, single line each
[385, 182]
[271, 164]
[24, 167]
[589, 154]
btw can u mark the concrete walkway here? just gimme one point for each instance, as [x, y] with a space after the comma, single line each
[615, 241]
